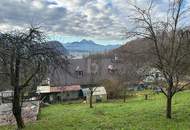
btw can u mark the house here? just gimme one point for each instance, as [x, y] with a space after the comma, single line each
[99, 94]
[8, 93]
[61, 93]
[79, 71]
[6, 96]
[65, 93]
[157, 90]
[153, 75]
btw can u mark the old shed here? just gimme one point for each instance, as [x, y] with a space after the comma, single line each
[99, 94]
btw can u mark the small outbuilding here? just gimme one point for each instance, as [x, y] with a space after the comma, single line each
[99, 94]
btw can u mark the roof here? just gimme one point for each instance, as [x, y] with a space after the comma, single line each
[86, 91]
[65, 88]
[69, 76]
[43, 89]
[97, 91]
[48, 89]
[7, 91]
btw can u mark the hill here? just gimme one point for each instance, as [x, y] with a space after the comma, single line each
[134, 51]
[134, 47]
[58, 46]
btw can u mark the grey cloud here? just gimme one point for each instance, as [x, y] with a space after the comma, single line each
[88, 20]
[93, 18]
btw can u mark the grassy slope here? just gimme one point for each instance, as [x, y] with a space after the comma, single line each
[136, 114]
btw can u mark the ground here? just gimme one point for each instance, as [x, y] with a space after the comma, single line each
[135, 114]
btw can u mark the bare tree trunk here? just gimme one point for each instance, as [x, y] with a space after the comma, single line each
[124, 95]
[169, 108]
[91, 94]
[124, 98]
[17, 109]
[169, 102]
[146, 96]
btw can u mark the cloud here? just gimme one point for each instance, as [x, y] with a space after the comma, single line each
[102, 19]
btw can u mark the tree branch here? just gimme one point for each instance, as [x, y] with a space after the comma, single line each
[30, 77]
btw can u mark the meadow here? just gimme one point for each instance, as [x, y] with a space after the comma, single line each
[136, 114]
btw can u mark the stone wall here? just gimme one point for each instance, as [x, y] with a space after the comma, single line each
[29, 112]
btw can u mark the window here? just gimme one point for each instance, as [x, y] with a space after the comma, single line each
[79, 71]
[111, 69]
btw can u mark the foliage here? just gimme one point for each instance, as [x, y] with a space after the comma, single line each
[113, 88]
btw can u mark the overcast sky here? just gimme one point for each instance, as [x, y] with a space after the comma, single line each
[104, 21]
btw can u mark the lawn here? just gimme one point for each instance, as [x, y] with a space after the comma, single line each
[135, 114]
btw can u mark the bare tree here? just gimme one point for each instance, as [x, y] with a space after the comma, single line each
[25, 56]
[171, 43]
[92, 89]
[132, 58]
[129, 77]
[93, 73]
[113, 88]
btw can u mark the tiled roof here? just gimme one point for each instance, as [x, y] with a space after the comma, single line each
[65, 88]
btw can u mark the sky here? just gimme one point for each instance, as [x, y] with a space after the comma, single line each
[103, 21]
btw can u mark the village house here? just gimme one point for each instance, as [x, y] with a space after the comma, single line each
[6, 96]
[57, 94]
[59, 84]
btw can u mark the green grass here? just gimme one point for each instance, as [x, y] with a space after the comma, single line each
[135, 114]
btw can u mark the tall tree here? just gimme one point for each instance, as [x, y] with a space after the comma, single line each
[93, 73]
[92, 89]
[170, 42]
[25, 56]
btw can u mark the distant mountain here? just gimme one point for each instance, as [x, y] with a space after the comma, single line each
[88, 46]
[58, 46]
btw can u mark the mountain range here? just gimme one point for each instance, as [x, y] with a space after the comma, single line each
[88, 46]
[81, 48]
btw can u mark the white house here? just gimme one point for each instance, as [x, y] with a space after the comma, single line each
[99, 94]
